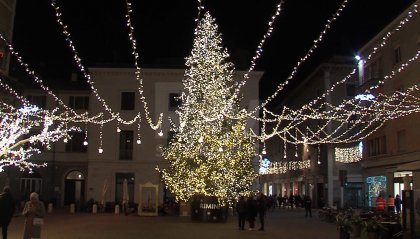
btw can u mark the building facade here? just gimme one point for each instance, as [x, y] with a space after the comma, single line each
[321, 179]
[77, 173]
[391, 155]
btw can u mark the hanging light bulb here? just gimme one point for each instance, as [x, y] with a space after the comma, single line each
[100, 150]
[65, 140]
[200, 140]
[160, 133]
[296, 155]
[319, 162]
[138, 141]
[85, 143]
[118, 129]
[264, 151]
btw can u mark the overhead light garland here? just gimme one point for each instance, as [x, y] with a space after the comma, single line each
[350, 154]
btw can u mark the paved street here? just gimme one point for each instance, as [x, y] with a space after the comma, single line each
[285, 223]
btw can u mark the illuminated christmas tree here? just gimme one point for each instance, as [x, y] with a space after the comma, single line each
[211, 153]
[22, 130]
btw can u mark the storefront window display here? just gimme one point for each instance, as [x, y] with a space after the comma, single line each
[376, 185]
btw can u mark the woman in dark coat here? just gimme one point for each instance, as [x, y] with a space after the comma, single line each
[251, 211]
[34, 208]
[7, 208]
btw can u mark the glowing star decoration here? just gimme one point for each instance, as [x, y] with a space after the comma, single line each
[23, 131]
[220, 165]
[264, 165]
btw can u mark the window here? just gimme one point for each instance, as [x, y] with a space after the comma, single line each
[174, 101]
[401, 142]
[38, 100]
[373, 70]
[126, 145]
[75, 143]
[376, 146]
[397, 55]
[30, 182]
[119, 187]
[79, 102]
[127, 100]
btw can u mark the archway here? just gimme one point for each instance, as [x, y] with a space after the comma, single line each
[74, 188]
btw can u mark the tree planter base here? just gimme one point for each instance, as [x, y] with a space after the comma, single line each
[207, 209]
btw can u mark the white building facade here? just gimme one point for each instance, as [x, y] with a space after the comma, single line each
[77, 173]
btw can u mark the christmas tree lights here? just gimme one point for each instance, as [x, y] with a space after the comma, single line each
[212, 158]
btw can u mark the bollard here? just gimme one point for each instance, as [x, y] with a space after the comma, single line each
[50, 207]
[72, 208]
[117, 209]
[94, 209]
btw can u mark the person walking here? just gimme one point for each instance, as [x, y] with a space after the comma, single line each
[291, 200]
[241, 210]
[307, 202]
[7, 208]
[251, 211]
[262, 208]
[397, 203]
[380, 203]
[390, 202]
[34, 211]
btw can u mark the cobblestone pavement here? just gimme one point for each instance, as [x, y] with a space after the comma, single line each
[281, 223]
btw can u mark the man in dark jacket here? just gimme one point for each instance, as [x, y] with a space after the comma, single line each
[7, 208]
[251, 211]
[307, 202]
[241, 209]
[262, 208]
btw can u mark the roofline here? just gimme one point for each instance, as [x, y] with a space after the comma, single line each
[394, 22]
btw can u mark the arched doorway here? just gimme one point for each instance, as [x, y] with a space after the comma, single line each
[74, 188]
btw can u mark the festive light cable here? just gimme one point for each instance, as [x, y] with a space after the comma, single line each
[259, 50]
[380, 45]
[137, 67]
[32, 73]
[13, 92]
[77, 117]
[303, 59]
[80, 66]
[385, 113]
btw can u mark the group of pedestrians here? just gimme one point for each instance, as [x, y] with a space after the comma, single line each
[34, 211]
[391, 204]
[248, 210]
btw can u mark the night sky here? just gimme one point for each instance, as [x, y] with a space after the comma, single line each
[164, 33]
